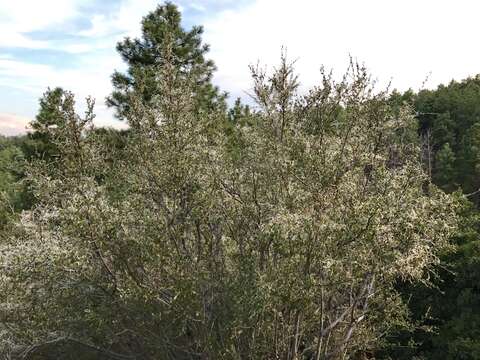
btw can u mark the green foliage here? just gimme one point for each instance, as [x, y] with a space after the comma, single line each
[305, 227]
[163, 38]
[39, 144]
[445, 160]
[239, 112]
[447, 313]
[11, 165]
[451, 114]
[285, 243]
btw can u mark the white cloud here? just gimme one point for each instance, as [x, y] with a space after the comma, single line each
[22, 16]
[405, 40]
[125, 21]
[197, 6]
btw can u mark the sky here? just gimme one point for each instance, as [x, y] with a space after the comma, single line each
[71, 43]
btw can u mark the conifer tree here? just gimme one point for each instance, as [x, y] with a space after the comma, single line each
[144, 56]
[40, 144]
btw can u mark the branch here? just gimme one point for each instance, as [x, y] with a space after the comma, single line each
[110, 354]
[472, 193]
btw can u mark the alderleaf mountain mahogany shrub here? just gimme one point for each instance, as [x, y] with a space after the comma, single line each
[281, 238]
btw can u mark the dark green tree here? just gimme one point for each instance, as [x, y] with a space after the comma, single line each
[445, 159]
[163, 36]
[238, 112]
[40, 144]
[451, 114]
[448, 314]
[11, 171]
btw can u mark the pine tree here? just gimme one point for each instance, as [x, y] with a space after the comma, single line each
[162, 36]
[238, 112]
[445, 165]
[39, 144]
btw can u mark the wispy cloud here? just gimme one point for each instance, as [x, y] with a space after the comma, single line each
[19, 18]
